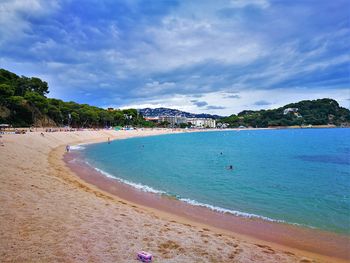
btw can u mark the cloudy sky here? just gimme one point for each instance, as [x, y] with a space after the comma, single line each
[212, 56]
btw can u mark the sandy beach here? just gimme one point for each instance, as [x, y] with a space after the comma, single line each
[49, 214]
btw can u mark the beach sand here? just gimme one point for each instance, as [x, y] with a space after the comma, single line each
[48, 214]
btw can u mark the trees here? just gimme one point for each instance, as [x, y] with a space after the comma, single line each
[37, 100]
[106, 119]
[88, 117]
[55, 114]
[164, 124]
[23, 84]
[147, 124]
[314, 112]
[24, 101]
[6, 91]
[183, 125]
[20, 113]
[118, 118]
[38, 86]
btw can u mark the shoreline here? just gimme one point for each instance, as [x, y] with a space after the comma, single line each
[313, 241]
[50, 214]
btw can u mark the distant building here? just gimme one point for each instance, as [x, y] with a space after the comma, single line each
[110, 109]
[195, 122]
[202, 122]
[153, 119]
[170, 119]
[179, 120]
[288, 110]
[293, 111]
[222, 125]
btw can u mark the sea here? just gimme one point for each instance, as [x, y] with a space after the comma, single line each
[292, 176]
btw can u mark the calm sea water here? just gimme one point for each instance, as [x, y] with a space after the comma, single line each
[298, 176]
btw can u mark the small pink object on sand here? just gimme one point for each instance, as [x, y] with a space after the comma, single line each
[144, 256]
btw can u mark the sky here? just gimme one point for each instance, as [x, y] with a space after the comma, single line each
[218, 57]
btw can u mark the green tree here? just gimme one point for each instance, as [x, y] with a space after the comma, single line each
[118, 118]
[105, 118]
[164, 124]
[38, 86]
[6, 91]
[37, 100]
[75, 119]
[55, 114]
[183, 125]
[88, 116]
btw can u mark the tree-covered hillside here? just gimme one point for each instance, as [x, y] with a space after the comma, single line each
[23, 103]
[307, 112]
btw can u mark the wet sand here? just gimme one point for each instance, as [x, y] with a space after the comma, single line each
[49, 214]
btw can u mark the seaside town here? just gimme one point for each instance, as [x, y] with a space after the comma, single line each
[177, 121]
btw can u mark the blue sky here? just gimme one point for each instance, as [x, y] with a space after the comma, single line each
[217, 56]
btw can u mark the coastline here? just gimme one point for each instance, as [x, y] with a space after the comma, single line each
[233, 245]
[298, 237]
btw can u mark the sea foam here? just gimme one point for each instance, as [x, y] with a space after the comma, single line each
[141, 187]
[149, 189]
[228, 211]
[78, 147]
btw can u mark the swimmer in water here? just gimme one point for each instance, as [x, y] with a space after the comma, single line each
[230, 167]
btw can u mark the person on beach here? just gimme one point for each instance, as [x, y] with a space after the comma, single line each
[67, 148]
[109, 140]
[1, 141]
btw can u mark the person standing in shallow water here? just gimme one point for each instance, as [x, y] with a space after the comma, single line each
[109, 140]
[67, 148]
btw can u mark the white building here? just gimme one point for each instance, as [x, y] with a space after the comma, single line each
[196, 122]
[202, 122]
[293, 111]
[287, 110]
[173, 120]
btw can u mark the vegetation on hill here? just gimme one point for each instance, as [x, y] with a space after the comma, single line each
[23, 103]
[306, 112]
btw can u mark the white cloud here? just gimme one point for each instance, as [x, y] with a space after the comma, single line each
[14, 16]
[193, 49]
[155, 87]
[179, 42]
[244, 3]
[247, 101]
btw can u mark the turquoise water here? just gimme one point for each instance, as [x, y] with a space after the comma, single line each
[297, 176]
